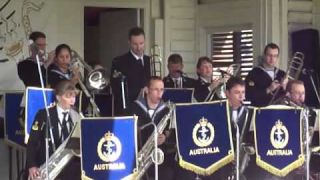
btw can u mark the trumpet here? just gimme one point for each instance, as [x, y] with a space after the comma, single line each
[156, 61]
[293, 71]
[232, 70]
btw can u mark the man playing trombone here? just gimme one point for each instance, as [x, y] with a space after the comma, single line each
[265, 80]
[205, 85]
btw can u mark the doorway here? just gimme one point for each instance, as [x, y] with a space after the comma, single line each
[106, 33]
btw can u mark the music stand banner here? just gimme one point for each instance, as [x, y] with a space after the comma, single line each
[278, 138]
[14, 121]
[35, 102]
[178, 95]
[204, 136]
[109, 147]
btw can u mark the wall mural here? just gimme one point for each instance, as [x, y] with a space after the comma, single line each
[15, 27]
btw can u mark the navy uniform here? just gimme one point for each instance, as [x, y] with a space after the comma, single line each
[29, 74]
[146, 115]
[55, 75]
[201, 90]
[135, 72]
[257, 81]
[36, 148]
[181, 82]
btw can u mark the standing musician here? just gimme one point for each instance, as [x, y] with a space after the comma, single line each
[151, 108]
[205, 83]
[176, 78]
[63, 119]
[28, 68]
[132, 67]
[60, 69]
[263, 81]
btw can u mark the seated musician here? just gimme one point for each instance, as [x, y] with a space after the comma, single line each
[294, 96]
[264, 81]
[63, 118]
[205, 83]
[176, 77]
[235, 92]
[151, 108]
[60, 69]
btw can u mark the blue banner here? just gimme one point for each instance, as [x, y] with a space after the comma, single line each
[109, 148]
[204, 136]
[183, 95]
[278, 138]
[35, 102]
[14, 119]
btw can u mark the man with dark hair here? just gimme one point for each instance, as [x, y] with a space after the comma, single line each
[132, 68]
[28, 69]
[63, 119]
[176, 77]
[266, 82]
[151, 108]
[205, 83]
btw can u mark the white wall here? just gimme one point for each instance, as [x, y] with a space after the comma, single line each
[179, 25]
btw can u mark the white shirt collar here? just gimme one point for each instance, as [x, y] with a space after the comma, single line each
[136, 56]
[60, 113]
[203, 79]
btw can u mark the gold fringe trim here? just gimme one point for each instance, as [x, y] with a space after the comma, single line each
[280, 172]
[84, 177]
[132, 176]
[211, 169]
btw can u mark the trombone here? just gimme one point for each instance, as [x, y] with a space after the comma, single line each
[292, 73]
[156, 61]
[232, 70]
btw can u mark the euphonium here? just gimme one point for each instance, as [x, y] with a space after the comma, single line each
[146, 154]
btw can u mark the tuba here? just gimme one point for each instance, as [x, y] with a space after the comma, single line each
[232, 70]
[156, 61]
[146, 155]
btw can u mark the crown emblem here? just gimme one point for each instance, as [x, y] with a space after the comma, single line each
[203, 121]
[108, 136]
[278, 124]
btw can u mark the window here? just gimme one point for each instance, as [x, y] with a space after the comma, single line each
[233, 47]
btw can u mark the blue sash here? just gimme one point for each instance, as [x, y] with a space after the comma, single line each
[204, 136]
[278, 138]
[108, 147]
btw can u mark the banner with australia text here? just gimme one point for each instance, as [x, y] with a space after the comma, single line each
[204, 138]
[14, 119]
[109, 148]
[35, 102]
[178, 95]
[278, 138]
